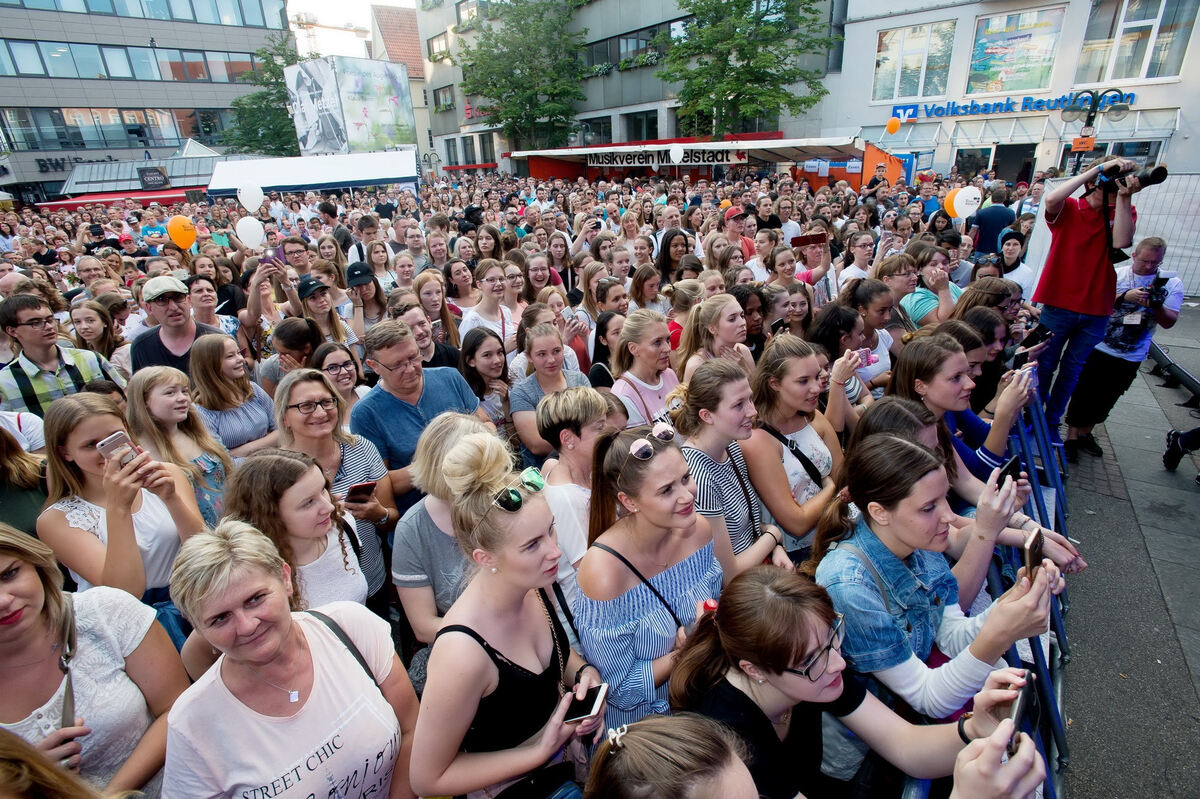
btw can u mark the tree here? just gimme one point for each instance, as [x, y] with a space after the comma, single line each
[740, 59]
[526, 66]
[261, 123]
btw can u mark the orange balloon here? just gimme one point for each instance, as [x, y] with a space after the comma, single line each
[948, 202]
[181, 231]
[893, 125]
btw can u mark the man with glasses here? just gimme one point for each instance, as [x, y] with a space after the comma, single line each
[296, 253]
[393, 413]
[43, 371]
[170, 343]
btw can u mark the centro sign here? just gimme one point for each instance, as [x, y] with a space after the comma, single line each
[1007, 105]
[663, 158]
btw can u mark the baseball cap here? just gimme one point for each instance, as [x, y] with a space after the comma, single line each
[1021, 183]
[124, 237]
[358, 274]
[734, 212]
[309, 286]
[163, 284]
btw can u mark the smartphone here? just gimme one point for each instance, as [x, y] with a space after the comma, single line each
[436, 327]
[1021, 708]
[808, 239]
[269, 253]
[866, 357]
[360, 492]
[1036, 336]
[583, 709]
[1020, 359]
[569, 313]
[109, 447]
[1034, 546]
[1011, 469]
[778, 326]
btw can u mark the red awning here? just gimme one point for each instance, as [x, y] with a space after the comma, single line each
[167, 196]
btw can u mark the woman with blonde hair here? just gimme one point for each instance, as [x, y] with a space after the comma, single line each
[587, 309]
[544, 352]
[329, 249]
[236, 411]
[89, 676]
[95, 331]
[379, 258]
[335, 280]
[684, 296]
[716, 328]
[311, 417]
[430, 288]
[641, 366]
[161, 415]
[326, 685]
[470, 739]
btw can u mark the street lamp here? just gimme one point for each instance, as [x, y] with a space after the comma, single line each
[431, 159]
[1086, 106]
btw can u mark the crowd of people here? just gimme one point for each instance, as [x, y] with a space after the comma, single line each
[518, 488]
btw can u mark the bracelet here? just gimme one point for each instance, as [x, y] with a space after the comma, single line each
[962, 727]
[837, 382]
[992, 411]
[387, 517]
[579, 673]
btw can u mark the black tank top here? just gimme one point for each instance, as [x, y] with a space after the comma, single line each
[522, 701]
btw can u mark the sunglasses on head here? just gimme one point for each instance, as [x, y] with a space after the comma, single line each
[510, 499]
[643, 449]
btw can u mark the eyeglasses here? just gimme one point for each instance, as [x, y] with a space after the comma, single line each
[307, 408]
[491, 281]
[510, 499]
[334, 368]
[40, 322]
[167, 299]
[820, 662]
[643, 449]
[411, 363]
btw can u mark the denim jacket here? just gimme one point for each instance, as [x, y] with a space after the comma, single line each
[884, 632]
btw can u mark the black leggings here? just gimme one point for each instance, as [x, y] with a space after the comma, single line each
[1101, 383]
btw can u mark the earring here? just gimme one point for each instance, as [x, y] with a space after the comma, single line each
[570, 446]
[494, 570]
[760, 682]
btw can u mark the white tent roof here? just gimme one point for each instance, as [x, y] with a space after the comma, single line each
[316, 172]
[786, 150]
[194, 149]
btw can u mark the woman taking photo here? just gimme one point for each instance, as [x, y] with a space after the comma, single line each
[839, 330]
[716, 329]
[294, 687]
[486, 371]
[793, 451]
[767, 663]
[646, 573]
[95, 331]
[236, 411]
[311, 417]
[431, 292]
[714, 413]
[162, 417]
[338, 364]
[489, 312]
[641, 366]
[101, 710]
[544, 351]
[113, 521]
[501, 646]
[262, 315]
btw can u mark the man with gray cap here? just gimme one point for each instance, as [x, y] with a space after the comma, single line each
[170, 343]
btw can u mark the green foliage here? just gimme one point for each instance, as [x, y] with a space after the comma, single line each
[526, 66]
[741, 59]
[261, 123]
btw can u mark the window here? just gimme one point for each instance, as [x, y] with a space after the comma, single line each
[87, 61]
[487, 149]
[206, 11]
[599, 53]
[99, 6]
[597, 130]
[469, 150]
[273, 14]
[913, 62]
[6, 64]
[57, 57]
[437, 45]
[218, 67]
[429, 133]
[25, 57]
[253, 13]
[229, 12]
[145, 64]
[1151, 37]
[181, 9]
[157, 9]
[1015, 52]
[451, 152]
[635, 43]
[239, 64]
[443, 98]
[170, 63]
[194, 66]
[642, 126]
[129, 8]
[470, 9]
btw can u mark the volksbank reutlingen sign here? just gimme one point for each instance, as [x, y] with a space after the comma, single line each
[1006, 105]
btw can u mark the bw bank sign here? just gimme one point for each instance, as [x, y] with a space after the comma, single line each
[1006, 105]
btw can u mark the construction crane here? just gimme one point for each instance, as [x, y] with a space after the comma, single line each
[307, 22]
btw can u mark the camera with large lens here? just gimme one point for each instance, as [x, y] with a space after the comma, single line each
[1111, 177]
[1158, 293]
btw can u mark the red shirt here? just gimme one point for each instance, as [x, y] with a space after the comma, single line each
[676, 331]
[1079, 274]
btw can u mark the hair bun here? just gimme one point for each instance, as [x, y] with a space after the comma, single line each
[476, 462]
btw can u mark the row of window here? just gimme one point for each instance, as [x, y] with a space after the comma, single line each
[487, 150]
[1125, 40]
[118, 62]
[100, 128]
[631, 44]
[250, 13]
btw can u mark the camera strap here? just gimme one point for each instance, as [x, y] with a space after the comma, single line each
[1115, 255]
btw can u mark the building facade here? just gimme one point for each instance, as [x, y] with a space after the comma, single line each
[115, 80]
[395, 37]
[982, 85]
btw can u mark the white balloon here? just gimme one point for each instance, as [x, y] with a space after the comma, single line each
[676, 153]
[250, 231]
[251, 198]
[967, 201]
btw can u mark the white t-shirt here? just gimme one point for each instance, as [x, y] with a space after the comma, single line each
[328, 578]
[881, 365]
[472, 319]
[569, 503]
[25, 427]
[342, 741]
[153, 528]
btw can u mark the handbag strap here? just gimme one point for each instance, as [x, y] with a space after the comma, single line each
[340, 634]
[641, 577]
[64, 663]
[561, 597]
[645, 405]
[858, 553]
[750, 506]
[814, 473]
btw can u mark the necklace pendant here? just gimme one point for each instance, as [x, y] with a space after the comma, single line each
[293, 696]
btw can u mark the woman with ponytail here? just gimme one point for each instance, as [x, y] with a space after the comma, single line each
[873, 301]
[767, 663]
[647, 574]
[887, 574]
[714, 411]
[492, 721]
[716, 328]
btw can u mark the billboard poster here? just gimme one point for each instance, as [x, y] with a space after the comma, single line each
[376, 104]
[1015, 52]
[316, 107]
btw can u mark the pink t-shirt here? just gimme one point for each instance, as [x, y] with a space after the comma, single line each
[642, 400]
[342, 741]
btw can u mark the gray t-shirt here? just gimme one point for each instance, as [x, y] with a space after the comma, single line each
[527, 393]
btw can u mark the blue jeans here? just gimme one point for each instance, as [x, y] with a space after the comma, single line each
[1075, 336]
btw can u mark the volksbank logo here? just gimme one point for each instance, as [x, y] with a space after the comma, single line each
[1008, 105]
